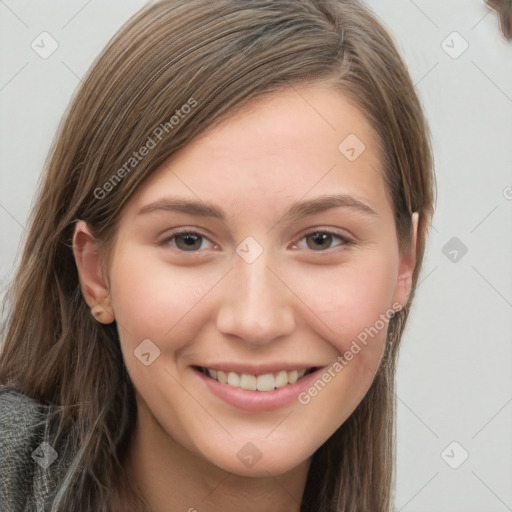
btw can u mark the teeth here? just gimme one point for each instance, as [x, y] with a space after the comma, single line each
[234, 379]
[265, 382]
[249, 382]
[222, 377]
[281, 379]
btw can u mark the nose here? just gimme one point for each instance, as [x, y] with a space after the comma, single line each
[256, 303]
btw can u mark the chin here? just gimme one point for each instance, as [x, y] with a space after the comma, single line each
[256, 464]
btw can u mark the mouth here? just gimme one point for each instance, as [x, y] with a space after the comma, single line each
[262, 382]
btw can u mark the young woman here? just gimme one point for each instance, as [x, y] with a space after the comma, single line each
[219, 268]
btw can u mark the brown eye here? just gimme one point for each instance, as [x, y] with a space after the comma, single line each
[190, 241]
[320, 241]
[186, 241]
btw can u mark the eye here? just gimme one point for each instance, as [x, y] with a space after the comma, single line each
[192, 241]
[320, 240]
[186, 241]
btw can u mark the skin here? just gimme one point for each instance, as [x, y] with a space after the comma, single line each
[293, 303]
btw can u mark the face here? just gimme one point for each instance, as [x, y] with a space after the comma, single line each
[270, 278]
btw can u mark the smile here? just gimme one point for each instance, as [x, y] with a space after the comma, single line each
[250, 382]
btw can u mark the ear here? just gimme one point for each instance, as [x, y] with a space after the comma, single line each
[406, 266]
[93, 282]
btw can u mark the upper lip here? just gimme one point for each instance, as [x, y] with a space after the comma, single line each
[258, 369]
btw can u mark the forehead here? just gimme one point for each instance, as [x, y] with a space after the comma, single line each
[295, 143]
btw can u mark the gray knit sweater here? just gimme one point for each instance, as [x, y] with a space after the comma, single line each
[30, 468]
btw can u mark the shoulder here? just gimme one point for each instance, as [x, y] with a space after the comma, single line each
[20, 419]
[24, 455]
[20, 422]
[16, 408]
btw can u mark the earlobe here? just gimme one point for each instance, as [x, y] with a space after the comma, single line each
[103, 312]
[94, 285]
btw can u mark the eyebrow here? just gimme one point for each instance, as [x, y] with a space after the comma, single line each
[296, 211]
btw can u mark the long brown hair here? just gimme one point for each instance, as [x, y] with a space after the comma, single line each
[219, 54]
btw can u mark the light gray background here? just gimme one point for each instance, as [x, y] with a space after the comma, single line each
[454, 379]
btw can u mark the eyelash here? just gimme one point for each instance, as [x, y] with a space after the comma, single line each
[345, 240]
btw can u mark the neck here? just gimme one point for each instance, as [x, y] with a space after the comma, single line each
[171, 477]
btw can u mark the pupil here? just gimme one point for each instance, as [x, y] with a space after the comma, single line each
[189, 239]
[321, 237]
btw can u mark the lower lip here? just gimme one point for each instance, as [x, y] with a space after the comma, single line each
[259, 400]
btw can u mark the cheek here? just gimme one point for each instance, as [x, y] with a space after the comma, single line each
[152, 300]
[349, 304]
